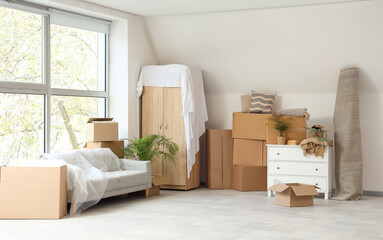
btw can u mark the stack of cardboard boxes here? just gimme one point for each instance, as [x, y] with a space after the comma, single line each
[250, 136]
[103, 133]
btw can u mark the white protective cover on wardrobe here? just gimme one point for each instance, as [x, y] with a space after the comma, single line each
[194, 110]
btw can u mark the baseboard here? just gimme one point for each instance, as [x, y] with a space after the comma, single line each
[373, 193]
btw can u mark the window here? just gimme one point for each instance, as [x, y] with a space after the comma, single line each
[53, 77]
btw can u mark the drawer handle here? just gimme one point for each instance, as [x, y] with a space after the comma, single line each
[277, 167]
[316, 169]
[278, 154]
[316, 184]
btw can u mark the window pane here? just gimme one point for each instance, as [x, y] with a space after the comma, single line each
[21, 126]
[78, 59]
[68, 120]
[20, 46]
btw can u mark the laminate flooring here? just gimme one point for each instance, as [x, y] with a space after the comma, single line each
[208, 214]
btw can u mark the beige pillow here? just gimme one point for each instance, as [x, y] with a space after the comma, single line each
[245, 102]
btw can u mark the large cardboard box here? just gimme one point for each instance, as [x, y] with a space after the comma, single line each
[115, 146]
[249, 178]
[297, 130]
[253, 126]
[33, 192]
[249, 152]
[219, 150]
[294, 194]
[250, 125]
[101, 129]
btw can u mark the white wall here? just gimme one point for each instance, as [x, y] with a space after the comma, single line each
[296, 52]
[130, 49]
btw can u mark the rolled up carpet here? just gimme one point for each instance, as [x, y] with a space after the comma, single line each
[299, 112]
[348, 147]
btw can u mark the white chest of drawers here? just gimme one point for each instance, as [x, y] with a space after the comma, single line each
[287, 163]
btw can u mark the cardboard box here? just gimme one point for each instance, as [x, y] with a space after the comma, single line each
[101, 129]
[297, 130]
[219, 151]
[249, 152]
[253, 126]
[33, 192]
[250, 125]
[115, 146]
[249, 178]
[294, 194]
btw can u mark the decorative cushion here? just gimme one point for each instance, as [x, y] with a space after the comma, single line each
[245, 102]
[261, 103]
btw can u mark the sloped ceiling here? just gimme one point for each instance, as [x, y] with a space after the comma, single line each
[177, 7]
[294, 50]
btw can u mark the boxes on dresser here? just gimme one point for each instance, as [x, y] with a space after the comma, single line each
[287, 164]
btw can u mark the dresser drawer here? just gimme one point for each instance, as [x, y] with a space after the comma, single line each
[316, 181]
[292, 154]
[293, 168]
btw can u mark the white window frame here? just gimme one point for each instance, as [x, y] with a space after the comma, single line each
[45, 88]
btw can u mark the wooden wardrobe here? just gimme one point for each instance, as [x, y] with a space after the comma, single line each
[162, 114]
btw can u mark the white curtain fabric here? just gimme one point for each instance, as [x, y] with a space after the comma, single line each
[194, 110]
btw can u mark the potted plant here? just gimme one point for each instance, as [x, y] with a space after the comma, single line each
[149, 148]
[280, 124]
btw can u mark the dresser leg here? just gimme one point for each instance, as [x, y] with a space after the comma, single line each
[268, 193]
[326, 196]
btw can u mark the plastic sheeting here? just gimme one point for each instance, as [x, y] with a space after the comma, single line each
[86, 182]
[194, 110]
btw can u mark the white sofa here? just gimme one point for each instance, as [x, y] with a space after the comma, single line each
[135, 176]
[93, 174]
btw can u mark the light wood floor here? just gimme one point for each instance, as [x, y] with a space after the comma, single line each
[207, 214]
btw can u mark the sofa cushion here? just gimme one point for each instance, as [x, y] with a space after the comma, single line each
[125, 179]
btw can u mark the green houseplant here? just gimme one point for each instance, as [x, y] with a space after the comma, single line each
[150, 147]
[280, 124]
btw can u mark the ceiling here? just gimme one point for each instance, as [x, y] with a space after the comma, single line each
[177, 7]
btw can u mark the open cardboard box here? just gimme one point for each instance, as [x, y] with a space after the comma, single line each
[101, 129]
[294, 194]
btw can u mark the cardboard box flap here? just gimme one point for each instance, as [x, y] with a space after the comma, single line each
[278, 187]
[304, 190]
[99, 120]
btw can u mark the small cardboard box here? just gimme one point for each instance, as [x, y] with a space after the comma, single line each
[115, 146]
[219, 150]
[249, 178]
[101, 129]
[294, 194]
[249, 152]
[33, 192]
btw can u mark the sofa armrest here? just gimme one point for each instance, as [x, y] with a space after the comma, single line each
[146, 166]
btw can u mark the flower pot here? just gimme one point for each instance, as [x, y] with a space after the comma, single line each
[281, 140]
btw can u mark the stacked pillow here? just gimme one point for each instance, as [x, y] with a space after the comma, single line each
[261, 103]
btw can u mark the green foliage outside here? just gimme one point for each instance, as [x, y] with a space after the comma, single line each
[74, 65]
[279, 123]
[151, 147]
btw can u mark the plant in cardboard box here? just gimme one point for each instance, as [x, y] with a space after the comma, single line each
[149, 148]
[281, 124]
